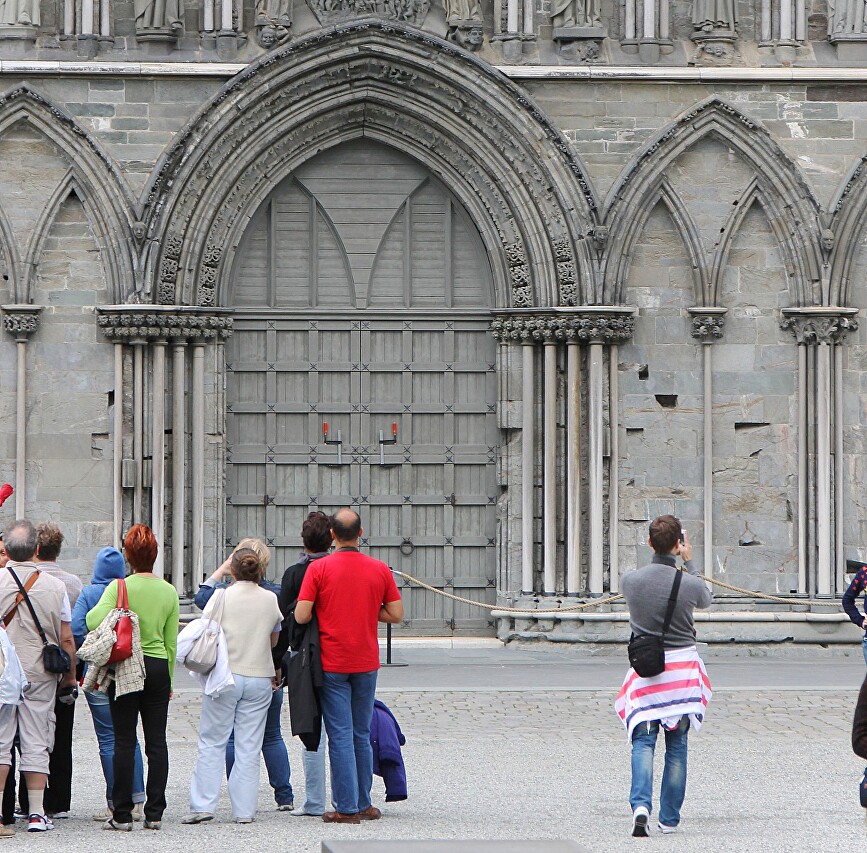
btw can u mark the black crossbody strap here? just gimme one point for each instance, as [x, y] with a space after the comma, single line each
[672, 600]
[30, 606]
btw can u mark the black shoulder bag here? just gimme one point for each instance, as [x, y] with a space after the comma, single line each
[54, 659]
[647, 651]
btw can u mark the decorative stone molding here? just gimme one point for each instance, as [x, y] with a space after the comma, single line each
[586, 325]
[147, 323]
[819, 325]
[707, 323]
[21, 321]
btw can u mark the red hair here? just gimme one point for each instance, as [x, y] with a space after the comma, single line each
[140, 548]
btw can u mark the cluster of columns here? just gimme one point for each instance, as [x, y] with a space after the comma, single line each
[820, 333]
[541, 335]
[145, 335]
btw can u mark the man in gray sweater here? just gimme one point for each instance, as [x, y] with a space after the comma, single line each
[677, 696]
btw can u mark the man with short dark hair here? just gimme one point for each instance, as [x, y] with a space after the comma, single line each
[351, 593]
[676, 698]
[34, 717]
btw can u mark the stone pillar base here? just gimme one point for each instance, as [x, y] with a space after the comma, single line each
[158, 40]
[851, 47]
[579, 44]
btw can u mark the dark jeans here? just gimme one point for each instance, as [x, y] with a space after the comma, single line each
[58, 794]
[152, 705]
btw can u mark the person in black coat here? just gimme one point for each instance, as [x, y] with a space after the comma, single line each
[316, 535]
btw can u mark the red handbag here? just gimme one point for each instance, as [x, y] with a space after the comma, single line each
[122, 648]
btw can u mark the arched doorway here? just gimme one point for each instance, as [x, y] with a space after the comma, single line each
[361, 291]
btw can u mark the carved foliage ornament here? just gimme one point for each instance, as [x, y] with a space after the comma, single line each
[337, 11]
[581, 328]
[153, 327]
[707, 326]
[20, 325]
[819, 330]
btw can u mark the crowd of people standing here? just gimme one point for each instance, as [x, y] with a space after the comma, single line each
[118, 639]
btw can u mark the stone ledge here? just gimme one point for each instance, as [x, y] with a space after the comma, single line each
[453, 846]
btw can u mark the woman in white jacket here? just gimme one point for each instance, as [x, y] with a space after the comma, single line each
[250, 623]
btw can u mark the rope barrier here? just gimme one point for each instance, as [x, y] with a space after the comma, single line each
[598, 602]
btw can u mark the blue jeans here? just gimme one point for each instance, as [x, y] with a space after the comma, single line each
[273, 751]
[314, 777]
[102, 725]
[673, 776]
[347, 709]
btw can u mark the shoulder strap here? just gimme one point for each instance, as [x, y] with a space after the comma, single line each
[30, 603]
[122, 597]
[19, 598]
[216, 614]
[672, 599]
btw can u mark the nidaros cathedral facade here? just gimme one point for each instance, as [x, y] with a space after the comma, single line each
[512, 278]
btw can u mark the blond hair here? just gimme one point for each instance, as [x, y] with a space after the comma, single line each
[259, 548]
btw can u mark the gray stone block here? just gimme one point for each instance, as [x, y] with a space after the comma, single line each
[454, 846]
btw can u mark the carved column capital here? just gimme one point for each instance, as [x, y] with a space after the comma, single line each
[819, 325]
[149, 323]
[586, 325]
[21, 321]
[707, 323]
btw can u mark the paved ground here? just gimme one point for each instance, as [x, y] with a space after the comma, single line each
[522, 742]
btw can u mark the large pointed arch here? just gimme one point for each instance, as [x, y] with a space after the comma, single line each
[780, 187]
[478, 132]
[95, 176]
[847, 223]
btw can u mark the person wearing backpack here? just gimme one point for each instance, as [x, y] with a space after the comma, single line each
[661, 600]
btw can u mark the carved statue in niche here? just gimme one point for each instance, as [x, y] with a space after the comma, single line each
[462, 10]
[159, 15]
[576, 13]
[273, 20]
[23, 13]
[143, 253]
[714, 16]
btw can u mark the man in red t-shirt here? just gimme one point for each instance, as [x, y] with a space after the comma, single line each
[351, 592]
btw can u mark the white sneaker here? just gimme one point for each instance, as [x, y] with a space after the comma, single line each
[136, 811]
[640, 818]
[667, 830]
[39, 823]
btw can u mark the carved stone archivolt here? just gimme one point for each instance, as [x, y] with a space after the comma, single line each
[128, 324]
[819, 326]
[615, 326]
[487, 141]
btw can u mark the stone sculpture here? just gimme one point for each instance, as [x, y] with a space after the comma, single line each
[160, 15]
[23, 13]
[273, 21]
[712, 17]
[576, 13]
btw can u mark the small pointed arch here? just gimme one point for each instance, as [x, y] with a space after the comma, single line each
[731, 227]
[778, 178]
[98, 181]
[10, 251]
[848, 210]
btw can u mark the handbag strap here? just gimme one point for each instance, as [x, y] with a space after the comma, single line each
[672, 600]
[217, 609]
[122, 596]
[30, 603]
[7, 619]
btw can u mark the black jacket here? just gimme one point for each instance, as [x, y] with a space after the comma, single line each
[290, 586]
[303, 671]
[859, 724]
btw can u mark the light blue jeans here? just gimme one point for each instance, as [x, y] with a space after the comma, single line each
[673, 775]
[243, 708]
[102, 725]
[347, 708]
[314, 777]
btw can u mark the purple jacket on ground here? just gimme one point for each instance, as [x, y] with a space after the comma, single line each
[386, 738]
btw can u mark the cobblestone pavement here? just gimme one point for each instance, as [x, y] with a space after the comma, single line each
[770, 771]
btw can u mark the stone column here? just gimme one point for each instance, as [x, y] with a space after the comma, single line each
[573, 468]
[117, 461]
[707, 327]
[158, 327]
[822, 329]
[21, 321]
[549, 502]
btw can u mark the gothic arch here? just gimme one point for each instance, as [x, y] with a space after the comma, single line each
[97, 181]
[10, 250]
[478, 132]
[848, 211]
[779, 187]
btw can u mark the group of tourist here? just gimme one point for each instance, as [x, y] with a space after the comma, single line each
[60, 635]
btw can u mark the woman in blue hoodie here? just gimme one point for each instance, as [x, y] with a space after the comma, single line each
[109, 566]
